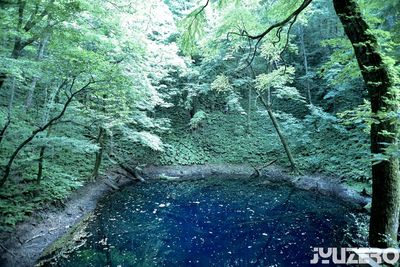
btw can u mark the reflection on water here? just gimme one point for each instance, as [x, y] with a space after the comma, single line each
[213, 222]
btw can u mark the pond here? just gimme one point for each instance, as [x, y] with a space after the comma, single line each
[213, 222]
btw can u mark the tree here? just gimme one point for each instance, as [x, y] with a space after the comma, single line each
[380, 81]
[132, 53]
[381, 86]
[33, 20]
[278, 79]
[52, 121]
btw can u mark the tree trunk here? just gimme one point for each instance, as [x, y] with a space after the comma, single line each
[35, 79]
[9, 112]
[15, 54]
[31, 92]
[193, 108]
[3, 77]
[4, 129]
[305, 61]
[249, 111]
[41, 159]
[12, 96]
[385, 209]
[280, 134]
[99, 154]
[7, 168]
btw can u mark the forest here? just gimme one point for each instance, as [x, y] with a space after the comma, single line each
[226, 104]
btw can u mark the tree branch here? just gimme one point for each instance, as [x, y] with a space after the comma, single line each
[282, 23]
[41, 129]
[35, 19]
[279, 25]
[202, 8]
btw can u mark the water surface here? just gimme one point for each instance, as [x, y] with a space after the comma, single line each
[212, 222]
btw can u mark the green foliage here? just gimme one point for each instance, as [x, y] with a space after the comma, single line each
[233, 103]
[183, 151]
[79, 41]
[359, 116]
[193, 28]
[19, 202]
[198, 119]
[144, 138]
[221, 84]
[151, 104]
[279, 79]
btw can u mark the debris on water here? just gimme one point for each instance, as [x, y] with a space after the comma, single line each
[213, 222]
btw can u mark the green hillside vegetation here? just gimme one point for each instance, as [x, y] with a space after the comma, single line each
[85, 84]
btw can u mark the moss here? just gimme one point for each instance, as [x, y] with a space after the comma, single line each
[74, 239]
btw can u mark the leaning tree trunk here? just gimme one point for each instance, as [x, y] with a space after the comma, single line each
[249, 111]
[384, 222]
[280, 135]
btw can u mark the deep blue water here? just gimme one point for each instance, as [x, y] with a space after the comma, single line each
[213, 222]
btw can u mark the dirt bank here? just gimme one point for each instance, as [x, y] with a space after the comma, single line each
[25, 245]
[322, 184]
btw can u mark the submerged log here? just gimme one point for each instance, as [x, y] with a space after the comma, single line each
[133, 172]
[257, 171]
[111, 184]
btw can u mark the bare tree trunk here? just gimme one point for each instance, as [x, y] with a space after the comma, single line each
[249, 111]
[253, 75]
[35, 79]
[9, 111]
[41, 159]
[18, 43]
[385, 209]
[54, 96]
[4, 129]
[99, 153]
[31, 92]
[305, 61]
[3, 78]
[193, 108]
[278, 130]
[12, 95]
